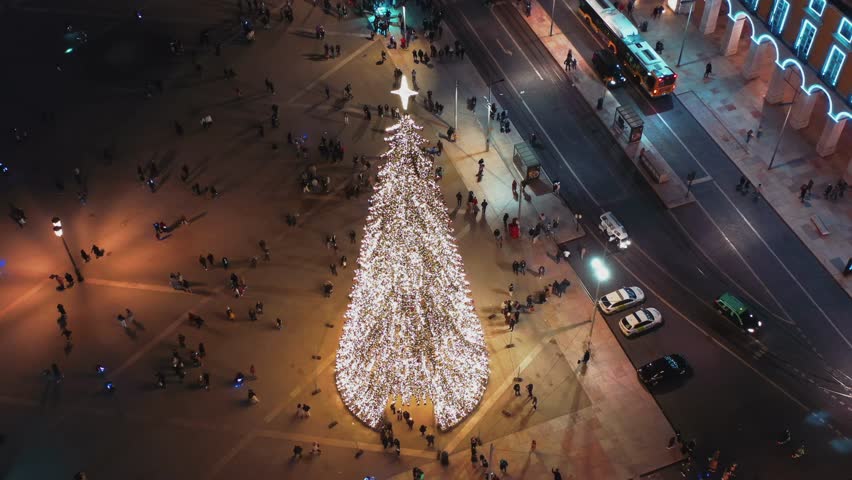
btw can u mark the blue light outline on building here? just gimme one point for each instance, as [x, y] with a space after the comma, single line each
[801, 34]
[834, 49]
[807, 89]
[783, 21]
[820, 11]
[845, 21]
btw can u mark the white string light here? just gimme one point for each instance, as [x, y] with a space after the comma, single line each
[404, 92]
[411, 331]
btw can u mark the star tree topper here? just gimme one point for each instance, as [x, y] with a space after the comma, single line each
[404, 92]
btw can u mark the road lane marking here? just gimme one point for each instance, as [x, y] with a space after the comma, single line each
[699, 181]
[134, 286]
[512, 38]
[505, 50]
[786, 319]
[331, 71]
[233, 452]
[23, 298]
[483, 408]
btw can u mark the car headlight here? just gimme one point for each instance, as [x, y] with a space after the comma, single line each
[759, 324]
[612, 82]
[750, 330]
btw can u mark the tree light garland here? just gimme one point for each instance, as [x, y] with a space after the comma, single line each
[411, 330]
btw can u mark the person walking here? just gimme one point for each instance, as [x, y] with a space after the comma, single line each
[749, 133]
[541, 271]
[484, 206]
[505, 221]
[517, 389]
[458, 199]
[85, 256]
[498, 238]
[529, 390]
[203, 262]
[511, 289]
[803, 191]
[504, 465]
[708, 69]
[535, 403]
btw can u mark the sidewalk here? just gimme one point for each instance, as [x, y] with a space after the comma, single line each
[597, 423]
[728, 106]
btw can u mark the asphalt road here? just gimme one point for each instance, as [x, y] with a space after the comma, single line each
[744, 390]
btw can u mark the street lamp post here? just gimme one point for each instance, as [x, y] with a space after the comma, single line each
[57, 230]
[552, 12]
[602, 274]
[685, 28]
[783, 128]
[456, 110]
[488, 120]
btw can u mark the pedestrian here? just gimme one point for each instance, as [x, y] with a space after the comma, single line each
[430, 440]
[517, 389]
[484, 206]
[333, 268]
[810, 186]
[498, 238]
[410, 423]
[69, 279]
[803, 191]
[327, 92]
[253, 372]
[458, 199]
[278, 323]
[181, 340]
[541, 271]
[352, 236]
[85, 256]
[346, 118]
[422, 430]
[828, 191]
[343, 261]
[225, 262]
[122, 320]
[586, 356]
[555, 471]
[708, 69]
[511, 289]
[297, 452]
[749, 133]
[210, 259]
[535, 403]
[203, 262]
[529, 390]
[503, 465]
[523, 267]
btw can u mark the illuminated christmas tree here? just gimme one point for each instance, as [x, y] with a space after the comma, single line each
[411, 332]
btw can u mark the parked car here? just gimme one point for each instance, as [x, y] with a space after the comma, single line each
[609, 68]
[621, 299]
[668, 369]
[640, 321]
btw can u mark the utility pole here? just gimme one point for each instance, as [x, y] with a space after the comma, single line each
[552, 12]
[783, 128]
[488, 120]
[456, 114]
[685, 28]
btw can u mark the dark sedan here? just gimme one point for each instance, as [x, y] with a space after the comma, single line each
[663, 370]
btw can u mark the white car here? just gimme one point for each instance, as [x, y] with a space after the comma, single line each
[640, 321]
[621, 299]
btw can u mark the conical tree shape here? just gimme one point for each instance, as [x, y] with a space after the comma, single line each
[410, 330]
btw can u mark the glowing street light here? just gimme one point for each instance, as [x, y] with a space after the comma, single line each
[57, 230]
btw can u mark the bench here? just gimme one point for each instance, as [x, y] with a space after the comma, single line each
[655, 167]
[820, 225]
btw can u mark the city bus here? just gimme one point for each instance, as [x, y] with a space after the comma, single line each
[643, 63]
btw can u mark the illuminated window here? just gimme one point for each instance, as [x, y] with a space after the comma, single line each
[817, 6]
[845, 30]
[751, 4]
[805, 40]
[833, 65]
[778, 16]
